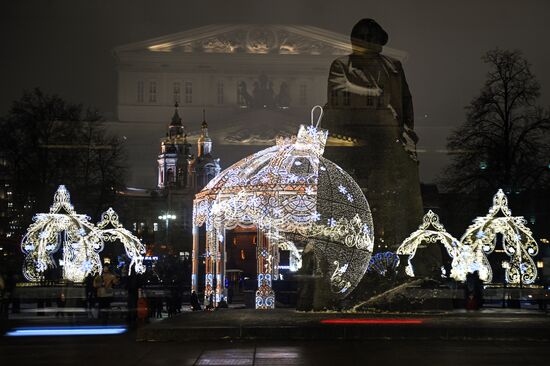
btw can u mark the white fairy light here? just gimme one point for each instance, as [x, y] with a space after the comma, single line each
[79, 239]
[431, 231]
[289, 190]
[479, 241]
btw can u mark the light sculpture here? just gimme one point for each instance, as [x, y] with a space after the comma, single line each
[291, 195]
[431, 231]
[80, 241]
[480, 240]
[112, 230]
[382, 263]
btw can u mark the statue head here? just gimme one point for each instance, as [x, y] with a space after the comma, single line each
[368, 34]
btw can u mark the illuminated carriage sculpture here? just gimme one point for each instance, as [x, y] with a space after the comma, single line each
[480, 239]
[431, 231]
[80, 240]
[293, 197]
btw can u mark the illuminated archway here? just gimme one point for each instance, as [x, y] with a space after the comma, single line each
[431, 231]
[480, 240]
[79, 239]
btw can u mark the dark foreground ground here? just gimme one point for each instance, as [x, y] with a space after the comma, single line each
[288, 324]
[124, 350]
[285, 337]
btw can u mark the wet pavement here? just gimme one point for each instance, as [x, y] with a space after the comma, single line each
[286, 324]
[124, 350]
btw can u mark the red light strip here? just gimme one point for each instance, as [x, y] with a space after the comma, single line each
[372, 321]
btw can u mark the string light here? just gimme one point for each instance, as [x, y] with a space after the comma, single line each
[80, 241]
[431, 231]
[479, 240]
[293, 196]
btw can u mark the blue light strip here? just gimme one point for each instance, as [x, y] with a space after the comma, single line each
[66, 331]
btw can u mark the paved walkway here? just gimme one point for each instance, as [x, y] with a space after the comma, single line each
[123, 350]
[289, 324]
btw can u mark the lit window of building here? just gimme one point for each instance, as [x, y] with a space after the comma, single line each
[188, 92]
[177, 92]
[152, 92]
[155, 226]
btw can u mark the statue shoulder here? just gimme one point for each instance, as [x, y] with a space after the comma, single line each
[392, 63]
[340, 62]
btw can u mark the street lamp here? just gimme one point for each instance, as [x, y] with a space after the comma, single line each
[167, 217]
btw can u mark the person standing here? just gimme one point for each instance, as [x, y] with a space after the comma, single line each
[104, 283]
[4, 305]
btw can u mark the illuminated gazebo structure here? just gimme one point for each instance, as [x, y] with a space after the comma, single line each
[293, 197]
[431, 231]
[78, 238]
[480, 240]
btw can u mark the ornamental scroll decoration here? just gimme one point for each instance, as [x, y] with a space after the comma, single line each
[292, 194]
[430, 231]
[78, 238]
[480, 240]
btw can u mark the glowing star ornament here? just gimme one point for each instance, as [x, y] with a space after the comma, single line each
[431, 231]
[78, 238]
[479, 240]
[292, 195]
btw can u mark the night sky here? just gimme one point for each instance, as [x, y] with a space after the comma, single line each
[65, 47]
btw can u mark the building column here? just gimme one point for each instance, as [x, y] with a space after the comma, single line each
[265, 296]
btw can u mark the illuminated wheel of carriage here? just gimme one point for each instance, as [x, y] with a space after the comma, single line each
[294, 198]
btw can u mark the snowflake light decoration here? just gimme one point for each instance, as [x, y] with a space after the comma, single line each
[80, 240]
[479, 240]
[288, 193]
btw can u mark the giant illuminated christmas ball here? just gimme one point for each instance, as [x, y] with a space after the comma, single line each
[296, 197]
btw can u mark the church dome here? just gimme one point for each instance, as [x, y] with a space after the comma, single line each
[290, 192]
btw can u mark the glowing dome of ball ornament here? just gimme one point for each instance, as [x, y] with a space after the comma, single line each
[294, 195]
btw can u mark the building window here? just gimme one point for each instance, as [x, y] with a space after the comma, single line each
[334, 97]
[346, 98]
[188, 92]
[152, 92]
[140, 92]
[241, 88]
[370, 102]
[155, 226]
[177, 92]
[220, 92]
[303, 94]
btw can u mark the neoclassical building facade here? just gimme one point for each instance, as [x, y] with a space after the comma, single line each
[255, 82]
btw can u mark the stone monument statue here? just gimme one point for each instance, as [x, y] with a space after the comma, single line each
[369, 114]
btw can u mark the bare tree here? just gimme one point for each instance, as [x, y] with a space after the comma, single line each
[504, 142]
[47, 141]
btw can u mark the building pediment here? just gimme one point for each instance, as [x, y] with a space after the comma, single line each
[251, 39]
